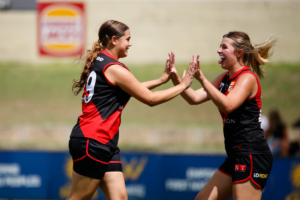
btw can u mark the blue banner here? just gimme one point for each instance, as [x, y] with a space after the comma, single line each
[47, 175]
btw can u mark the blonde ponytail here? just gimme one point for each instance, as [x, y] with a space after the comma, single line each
[262, 55]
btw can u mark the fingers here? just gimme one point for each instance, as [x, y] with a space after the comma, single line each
[168, 64]
[173, 56]
[183, 75]
[198, 61]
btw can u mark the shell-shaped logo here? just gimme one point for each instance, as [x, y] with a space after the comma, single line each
[61, 29]
[231, 86]
[295, 176]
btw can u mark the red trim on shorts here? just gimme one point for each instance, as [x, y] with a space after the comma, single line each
[87, 153]
[256, 183]
[79, 158]
[249, 177]
[115, 162]
[224, 173]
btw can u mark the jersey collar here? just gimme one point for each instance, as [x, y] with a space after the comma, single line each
[108, 54]
[236, 73]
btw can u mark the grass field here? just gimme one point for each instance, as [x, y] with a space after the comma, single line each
[41, 95]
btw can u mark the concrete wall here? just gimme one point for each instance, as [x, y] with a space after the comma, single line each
[187, 27]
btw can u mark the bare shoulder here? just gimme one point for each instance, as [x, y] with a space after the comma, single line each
[247, 78]
[221, 75]
[118, 74]
[117, 70]
[217, 80]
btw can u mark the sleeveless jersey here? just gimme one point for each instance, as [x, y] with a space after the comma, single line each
[102, 104]
[242, 127]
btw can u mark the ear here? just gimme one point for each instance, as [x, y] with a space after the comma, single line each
[239, 53]
[113, 40]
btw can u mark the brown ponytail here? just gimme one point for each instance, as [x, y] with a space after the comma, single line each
[254, 55]
[107, 30]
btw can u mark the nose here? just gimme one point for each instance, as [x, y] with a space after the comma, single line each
[219, 50]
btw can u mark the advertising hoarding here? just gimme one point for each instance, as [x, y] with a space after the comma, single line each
[61, 28]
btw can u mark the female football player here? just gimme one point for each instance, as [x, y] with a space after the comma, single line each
[107, 86]
[237, 94]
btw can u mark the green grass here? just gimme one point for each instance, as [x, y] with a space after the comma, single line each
[41, 94]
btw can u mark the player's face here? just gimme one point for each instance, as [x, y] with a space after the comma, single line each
[123, 44]
[227, 54]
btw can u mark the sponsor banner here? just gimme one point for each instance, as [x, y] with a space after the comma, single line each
[47, 175]
[61, 28]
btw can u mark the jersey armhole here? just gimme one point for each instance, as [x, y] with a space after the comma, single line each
[222, 79]
[258, 93]
[108, 65]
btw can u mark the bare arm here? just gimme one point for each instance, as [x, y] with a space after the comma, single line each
[191, 96]
[244, 88]
[126, 81]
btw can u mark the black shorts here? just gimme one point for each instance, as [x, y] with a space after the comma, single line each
[93, 159]
[256, 167]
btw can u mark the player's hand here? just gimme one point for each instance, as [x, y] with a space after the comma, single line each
[198, 73]
[167, 73]
[172, 64]
[188, 75]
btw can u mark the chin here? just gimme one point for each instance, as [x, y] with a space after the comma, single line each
[224, 67]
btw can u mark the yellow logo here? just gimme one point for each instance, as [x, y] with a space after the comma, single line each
[263, 175]
[295, 177]
[65, 190]
[231, 86]
[134, 168]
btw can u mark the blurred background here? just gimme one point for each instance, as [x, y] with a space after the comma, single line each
[41, 41]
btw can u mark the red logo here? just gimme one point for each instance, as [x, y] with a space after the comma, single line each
[240, 168]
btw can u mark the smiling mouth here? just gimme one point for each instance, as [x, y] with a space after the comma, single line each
[222, 58]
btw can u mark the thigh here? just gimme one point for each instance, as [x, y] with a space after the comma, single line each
[82, 187]
[113, 186]
[246, 191]
[217, 188]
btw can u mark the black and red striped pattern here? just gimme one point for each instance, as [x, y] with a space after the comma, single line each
[102, 104]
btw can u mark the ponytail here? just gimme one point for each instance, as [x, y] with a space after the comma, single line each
[107, 30]
[261, 55]
[90, 58]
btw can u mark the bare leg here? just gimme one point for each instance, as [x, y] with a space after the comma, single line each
[217, 188]
[82, 187]
[246, 191]
[113, 186]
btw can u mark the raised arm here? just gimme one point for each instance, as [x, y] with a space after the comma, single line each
[118, 75]
[191, 96]
[245, 87]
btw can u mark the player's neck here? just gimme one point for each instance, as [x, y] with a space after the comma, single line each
[113, 52]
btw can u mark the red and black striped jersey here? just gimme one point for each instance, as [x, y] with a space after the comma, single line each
[102, 104]
[242, 127]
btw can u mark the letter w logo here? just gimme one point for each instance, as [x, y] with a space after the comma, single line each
[134, 168]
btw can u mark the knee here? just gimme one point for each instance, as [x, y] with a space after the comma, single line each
[123, 196]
